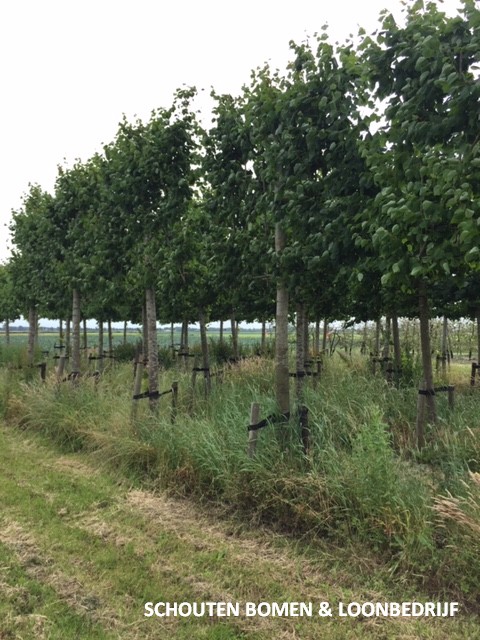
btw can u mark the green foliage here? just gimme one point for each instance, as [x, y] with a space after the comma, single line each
[9, 305]
[126, 352]
[421, 224]
[382, 500]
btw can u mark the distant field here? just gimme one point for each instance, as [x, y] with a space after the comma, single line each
[48, 339]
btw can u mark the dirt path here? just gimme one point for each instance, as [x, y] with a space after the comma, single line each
[81, 553]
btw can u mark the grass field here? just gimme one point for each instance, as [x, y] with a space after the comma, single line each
[47, 339]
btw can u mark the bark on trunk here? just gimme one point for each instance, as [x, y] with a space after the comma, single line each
[205, 358]
[151, 324]
[7, 332]
[76, 332]
[306, 348]
[325, 336]
[426, 360]
[378, 328]
[100, 345]
[264, 337]
[110, 338]
[317, 337]
[85, 340]
[397, 355]
[60, 330]
[31, 335]
[185, 335]
[35, 329]
[125, 332]
[363, 349]
[282, 379]
[68, 326]
[144, 331]
[234, 330]
[444, 345]
[300, 356]
[386, 343]
[478, 334]
[221, 332]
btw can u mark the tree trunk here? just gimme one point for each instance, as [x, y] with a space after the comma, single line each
[35, 329]
[325, 336]
[386, 341]
[397, 355]
[7, 332]
[125, 332]
[282, 379]
[378, 328]
[100, 345]
[317, 337]
[204, 344]
[60, 330]
[68, 326]
[363, 346]
[172, 337]
[478, 333]
[444, 346]
[234, 330]
[184, 343]
[76, 332]
[300, 356]
[31, 335]
[110, 338]
[426, 357]
[144, 331]
[185, 335]
[264, 337]
[151, 324]
[220, 337]
[85, 340]
[306, 335]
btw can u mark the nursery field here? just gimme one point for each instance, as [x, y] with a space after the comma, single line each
[105, 508]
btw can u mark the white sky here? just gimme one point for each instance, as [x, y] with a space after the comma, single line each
[69, 69]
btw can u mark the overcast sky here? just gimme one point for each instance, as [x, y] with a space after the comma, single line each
[70, 68]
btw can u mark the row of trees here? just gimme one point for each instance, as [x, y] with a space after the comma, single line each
[346, 186]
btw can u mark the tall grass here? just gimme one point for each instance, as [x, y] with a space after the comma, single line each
[362, 480]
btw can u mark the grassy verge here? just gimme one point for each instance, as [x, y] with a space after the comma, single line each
[363, 482]
[82, 551]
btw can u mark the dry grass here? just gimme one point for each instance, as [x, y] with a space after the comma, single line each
[463, 512]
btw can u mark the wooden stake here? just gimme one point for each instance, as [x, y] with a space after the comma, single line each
[61, 368]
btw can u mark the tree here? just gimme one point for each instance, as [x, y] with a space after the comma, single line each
[305, 130]
[423, 73]
[8, 304]
[33, 281]
[151, 169]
